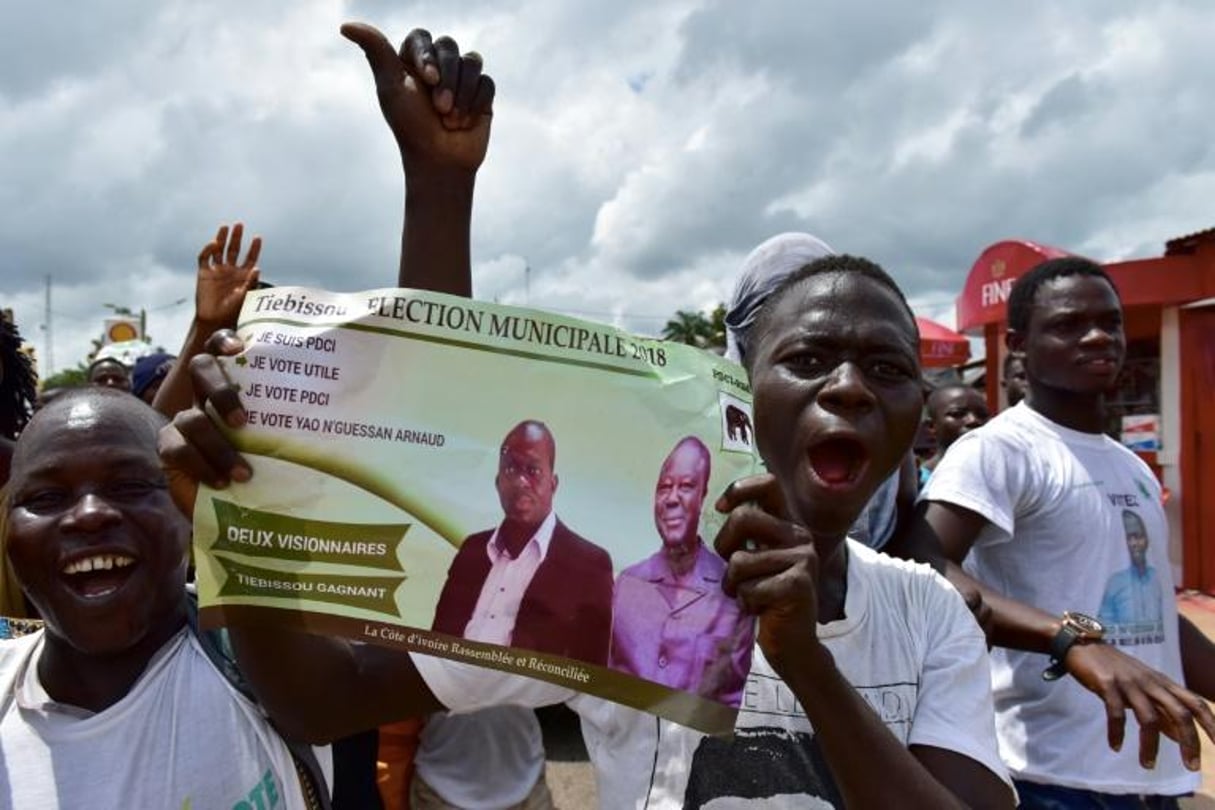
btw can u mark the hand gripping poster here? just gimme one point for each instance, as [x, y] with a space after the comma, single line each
[493, 485]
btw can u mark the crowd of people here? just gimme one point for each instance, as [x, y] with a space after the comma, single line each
[876, 587]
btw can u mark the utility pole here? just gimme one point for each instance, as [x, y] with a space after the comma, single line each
[527, 283]
[49, 363]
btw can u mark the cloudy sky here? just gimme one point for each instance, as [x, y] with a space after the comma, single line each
[640, 149]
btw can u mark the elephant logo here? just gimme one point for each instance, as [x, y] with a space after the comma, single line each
[737, 429]
[738, 424]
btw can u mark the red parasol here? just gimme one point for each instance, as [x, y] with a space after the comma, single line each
[940, 346]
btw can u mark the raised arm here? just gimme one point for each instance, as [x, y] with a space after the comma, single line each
[942, 534]
[318, 688]
[438, 105]
[219, 290]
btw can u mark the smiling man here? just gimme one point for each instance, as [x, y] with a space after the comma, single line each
[116, 703]
[671, 621]
[530, 582]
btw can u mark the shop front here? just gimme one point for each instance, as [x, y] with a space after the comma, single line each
[1163, 406]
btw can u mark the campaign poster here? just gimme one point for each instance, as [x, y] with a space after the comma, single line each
[493, 485]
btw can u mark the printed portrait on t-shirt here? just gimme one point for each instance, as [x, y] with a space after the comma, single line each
[774, 759]
[1132, 604]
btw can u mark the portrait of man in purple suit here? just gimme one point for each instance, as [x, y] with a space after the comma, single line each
[671, 621]
[530, 582]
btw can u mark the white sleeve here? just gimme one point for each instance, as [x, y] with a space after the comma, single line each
[466, 688]
[982, 473]
[954, 710]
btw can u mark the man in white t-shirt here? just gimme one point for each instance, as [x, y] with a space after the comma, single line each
[1046, 505]
[864, 666]
[115, 703]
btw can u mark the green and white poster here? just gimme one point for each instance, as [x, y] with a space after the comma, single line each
[488, 484]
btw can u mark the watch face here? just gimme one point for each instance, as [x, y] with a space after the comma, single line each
[1086, 625]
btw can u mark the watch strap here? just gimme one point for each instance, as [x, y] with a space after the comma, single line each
[1063, 641]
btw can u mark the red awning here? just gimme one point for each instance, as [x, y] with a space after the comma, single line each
[940, 346]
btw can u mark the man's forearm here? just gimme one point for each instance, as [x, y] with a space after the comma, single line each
[176, 393]
[435, 234]
[1015, 625]
[318, 689]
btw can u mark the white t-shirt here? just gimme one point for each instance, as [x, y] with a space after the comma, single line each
[484, 760]
[493, 617]
[908, 644]
[181, 738]
[1062, 506]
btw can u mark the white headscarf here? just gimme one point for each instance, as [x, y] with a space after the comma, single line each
[762, 272]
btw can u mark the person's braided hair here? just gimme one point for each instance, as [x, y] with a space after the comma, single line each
[18, 382]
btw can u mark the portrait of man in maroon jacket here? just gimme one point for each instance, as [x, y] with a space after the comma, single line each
[530, 582]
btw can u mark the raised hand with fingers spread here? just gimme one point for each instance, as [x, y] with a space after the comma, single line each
[219, 291]
[223, 279]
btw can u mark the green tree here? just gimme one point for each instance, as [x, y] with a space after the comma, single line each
[698, 329]
[692, 328]
[717, 324]
[67, 377]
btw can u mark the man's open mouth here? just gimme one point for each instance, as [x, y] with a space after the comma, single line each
[98, 575]
[838, 462]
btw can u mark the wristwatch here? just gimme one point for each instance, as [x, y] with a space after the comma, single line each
[1074, 628]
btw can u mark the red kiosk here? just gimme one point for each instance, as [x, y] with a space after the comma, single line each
[1164, 403]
